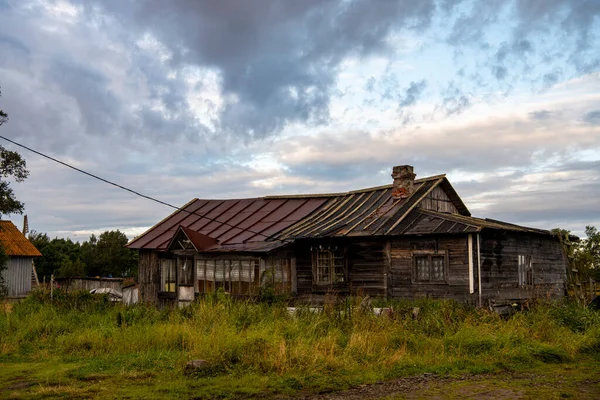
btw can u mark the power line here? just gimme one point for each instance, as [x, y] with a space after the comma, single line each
[164, 203]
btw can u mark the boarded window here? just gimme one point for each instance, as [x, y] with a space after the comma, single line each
[525, 270]
[430, 267]
[329, 266]
[167, 275]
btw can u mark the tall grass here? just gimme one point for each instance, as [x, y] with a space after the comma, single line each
[335, 348]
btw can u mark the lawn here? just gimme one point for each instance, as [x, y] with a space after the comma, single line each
[84, 347]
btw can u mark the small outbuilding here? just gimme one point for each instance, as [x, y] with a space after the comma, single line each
[412, 238]
[21, 253]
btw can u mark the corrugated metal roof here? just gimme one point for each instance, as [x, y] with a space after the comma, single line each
[366, 212]
[420, 222]
[15, 243]
[266, 223]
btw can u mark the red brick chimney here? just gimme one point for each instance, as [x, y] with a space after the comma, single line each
[404, 180]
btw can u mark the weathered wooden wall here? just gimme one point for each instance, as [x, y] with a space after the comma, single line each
[365, 264]
[401, 270]
[367, 267]
[499, 265]
[90, 283]
[149, 276]
[438, 200]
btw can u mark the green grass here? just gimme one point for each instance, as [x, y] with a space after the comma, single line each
[83, 346]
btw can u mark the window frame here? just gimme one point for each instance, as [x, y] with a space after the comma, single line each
[168, 280]
[525, 271]
[335, 257]
[430, 255]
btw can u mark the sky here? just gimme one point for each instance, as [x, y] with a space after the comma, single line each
[188, 99]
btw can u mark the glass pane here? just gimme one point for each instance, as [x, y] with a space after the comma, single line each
[210, 270]
[422, 263]
[338, 267]
[437, 268]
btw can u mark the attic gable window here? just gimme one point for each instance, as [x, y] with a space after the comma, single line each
[329, 265]
[430, 267]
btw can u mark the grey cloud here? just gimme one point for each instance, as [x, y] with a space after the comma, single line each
[455, 105]
[279, 59]
[412, 94]
[551, 78]
[98, 106]
[541, 115]
[592, 117]
[499, 72]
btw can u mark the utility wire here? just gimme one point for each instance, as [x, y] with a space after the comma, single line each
[164, 203]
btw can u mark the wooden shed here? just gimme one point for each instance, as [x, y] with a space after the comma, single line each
[409, 239]
[21, 253]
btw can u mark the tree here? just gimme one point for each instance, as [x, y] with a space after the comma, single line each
[108, 256]
[56, 253]
[11, 165]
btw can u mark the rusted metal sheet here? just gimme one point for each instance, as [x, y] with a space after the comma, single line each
[15, 243]
[18, 276]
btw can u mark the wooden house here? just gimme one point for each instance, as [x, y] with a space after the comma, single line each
[21, 253]
[412, 238]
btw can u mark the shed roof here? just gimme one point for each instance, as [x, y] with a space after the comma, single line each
[15, 243]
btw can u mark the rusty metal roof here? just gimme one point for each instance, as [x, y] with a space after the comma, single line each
[266, 223]
[421, 222]
[15, 243]
[368, 212]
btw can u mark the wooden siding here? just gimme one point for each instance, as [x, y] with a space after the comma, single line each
[438, 200]
[367, 267]
[69, 284]
[402, 283]
[18, 276]
[499, 265]
[149, 276]
[365, 270]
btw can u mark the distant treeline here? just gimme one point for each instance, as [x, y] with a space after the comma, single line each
[105, 255]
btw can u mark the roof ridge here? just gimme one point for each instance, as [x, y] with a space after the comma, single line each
[368, 189]
[161, 221]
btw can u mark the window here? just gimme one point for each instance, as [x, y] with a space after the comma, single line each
[167, 275]
[328, 266]
[186, 271]
[525, 270]
[243, 276]
[430, 267]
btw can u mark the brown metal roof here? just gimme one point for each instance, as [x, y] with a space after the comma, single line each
[237, 225]
[266, 223]
[15, 243]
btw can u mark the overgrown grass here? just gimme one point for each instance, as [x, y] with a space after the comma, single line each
[85, 346]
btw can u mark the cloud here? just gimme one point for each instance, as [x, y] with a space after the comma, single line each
[278, 61]
[414, 90]
[592, 117]
[541, 115]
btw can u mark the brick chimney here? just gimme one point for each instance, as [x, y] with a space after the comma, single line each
[404, 180]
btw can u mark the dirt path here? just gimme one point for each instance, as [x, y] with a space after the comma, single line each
[496, 387]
